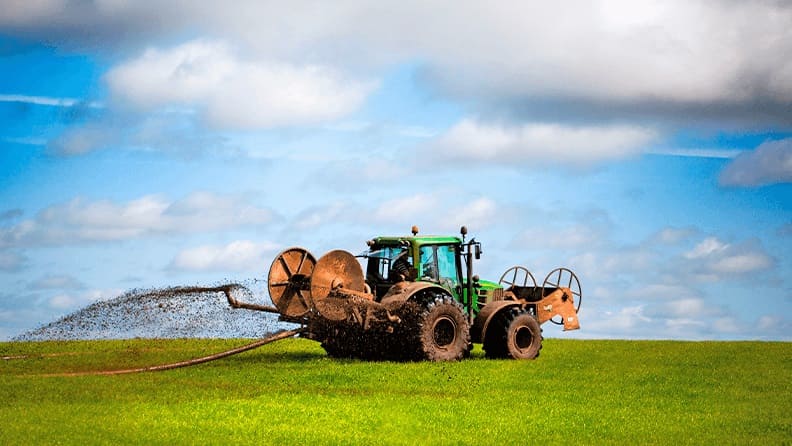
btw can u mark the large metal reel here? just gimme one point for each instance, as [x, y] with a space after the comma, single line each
[517, 275]
[562, 277]
[336, 269]
[289, 281]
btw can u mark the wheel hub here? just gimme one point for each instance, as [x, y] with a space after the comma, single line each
[444, 332]
[523, 338]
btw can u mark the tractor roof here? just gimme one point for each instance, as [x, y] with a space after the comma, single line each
[418, 239]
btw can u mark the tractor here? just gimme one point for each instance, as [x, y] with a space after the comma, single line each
[417, 299]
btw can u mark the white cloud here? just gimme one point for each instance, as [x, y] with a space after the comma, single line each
[45, 100]
[742, 263]
[728, 325]
[672, 236]
[617, 57]
[712, 259]
[775, 326]
[236, 93]
[316, 217]
[29, 11]
[79, 220]
[405, 209]
[626, 320]
[674, 307]
[535, 143]
[770, 163]
[477, 214]
[663, 292]
[698, 153]
[241, 255]
[707, 247]
[577, 236]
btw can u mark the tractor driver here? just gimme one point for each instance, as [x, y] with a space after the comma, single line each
[401, 269]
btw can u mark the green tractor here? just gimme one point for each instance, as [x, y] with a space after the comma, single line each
[418, 299]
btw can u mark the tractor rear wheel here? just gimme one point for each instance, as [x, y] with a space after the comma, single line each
[443, 332]
[516, 334]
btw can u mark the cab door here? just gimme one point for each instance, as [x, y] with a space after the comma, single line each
[440, 264]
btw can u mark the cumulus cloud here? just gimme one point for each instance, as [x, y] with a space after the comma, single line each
[672, 236]
[479, 213]
[707, 247]
[83, 139]
[232, 92]
[317, 216]
[535, 143]
[681, 59]
[405, 208]
[770, 163]
[79, 220]
[685, 308]
[713, 259]
[240, 255]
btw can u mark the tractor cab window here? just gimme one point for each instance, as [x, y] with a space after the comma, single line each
[439, 264]
[382, 259]
[384, 264]
[428, 263]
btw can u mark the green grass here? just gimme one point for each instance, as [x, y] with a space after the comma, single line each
[577, 392]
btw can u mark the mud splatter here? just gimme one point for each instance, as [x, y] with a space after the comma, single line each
[176, 312]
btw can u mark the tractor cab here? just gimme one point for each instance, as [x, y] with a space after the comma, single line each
[442, 260]
[390, 260]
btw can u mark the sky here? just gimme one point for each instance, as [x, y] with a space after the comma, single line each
[645, 145]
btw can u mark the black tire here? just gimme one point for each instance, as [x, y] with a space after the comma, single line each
[442, 331]
[515, 334]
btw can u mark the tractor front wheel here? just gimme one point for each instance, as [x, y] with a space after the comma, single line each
[516, 334]
[443, 332]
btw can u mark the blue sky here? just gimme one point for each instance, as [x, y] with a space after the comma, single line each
[647, 147]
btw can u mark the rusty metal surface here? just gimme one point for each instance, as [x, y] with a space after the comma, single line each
[288, 282]
[337, 270]
[560, 302]
[563, 278]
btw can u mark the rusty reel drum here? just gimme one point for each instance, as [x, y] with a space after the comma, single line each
[288, 282]
[337, 270]
[297, 282]
[517, 276]
[563, 277]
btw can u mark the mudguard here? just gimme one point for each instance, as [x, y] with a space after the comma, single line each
[403, 291]
[478, 331]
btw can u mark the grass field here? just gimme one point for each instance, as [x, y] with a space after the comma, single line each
[577, 392]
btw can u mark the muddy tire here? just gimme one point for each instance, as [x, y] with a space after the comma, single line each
[442, 332]
[515, 334]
